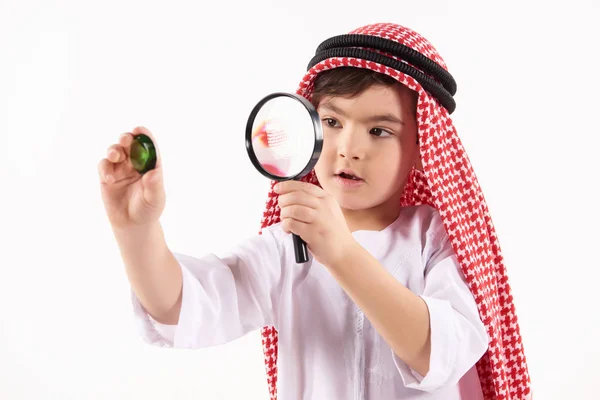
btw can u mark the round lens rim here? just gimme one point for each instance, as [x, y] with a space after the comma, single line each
[318, 134]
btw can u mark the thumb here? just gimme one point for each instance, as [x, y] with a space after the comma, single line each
[152, 182]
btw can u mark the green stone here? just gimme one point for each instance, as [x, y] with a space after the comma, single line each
[142, 154]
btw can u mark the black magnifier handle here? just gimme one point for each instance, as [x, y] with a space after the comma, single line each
[300, 249]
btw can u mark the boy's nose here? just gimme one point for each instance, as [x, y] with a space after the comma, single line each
[351, 144]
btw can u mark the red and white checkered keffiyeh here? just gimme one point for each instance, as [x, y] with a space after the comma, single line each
[449, 184]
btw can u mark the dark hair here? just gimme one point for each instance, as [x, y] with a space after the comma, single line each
[348, 82]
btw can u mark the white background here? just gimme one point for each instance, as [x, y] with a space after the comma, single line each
[74, 75]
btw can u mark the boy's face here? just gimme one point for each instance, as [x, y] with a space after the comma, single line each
[372, 136]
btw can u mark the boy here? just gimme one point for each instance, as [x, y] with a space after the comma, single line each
[404, 263]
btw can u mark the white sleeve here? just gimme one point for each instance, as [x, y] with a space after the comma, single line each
[458, 337]
[222, 298]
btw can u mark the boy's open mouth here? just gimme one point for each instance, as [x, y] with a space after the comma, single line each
[349, 176]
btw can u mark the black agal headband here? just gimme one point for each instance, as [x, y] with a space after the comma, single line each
[432, 77]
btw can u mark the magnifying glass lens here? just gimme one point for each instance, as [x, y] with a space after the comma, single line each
[283, 137]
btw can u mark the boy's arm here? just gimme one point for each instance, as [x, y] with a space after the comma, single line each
[400, 316]
[438, 334]
[183, 301]
[152, 270]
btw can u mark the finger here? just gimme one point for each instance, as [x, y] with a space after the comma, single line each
[292, 186]
[299, 213]
[106, 171]
[125, 141]
[290, 225]
[298, 198]
[111, 173]
[116, 153]
[145, 131]
[152, 182]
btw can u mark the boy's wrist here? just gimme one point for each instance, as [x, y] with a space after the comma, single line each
[134, 237]
[350, 252]
[136, 229]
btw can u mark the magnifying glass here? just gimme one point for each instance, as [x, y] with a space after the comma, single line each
[284, 139]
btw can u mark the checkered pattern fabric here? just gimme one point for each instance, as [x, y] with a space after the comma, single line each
[448, 183]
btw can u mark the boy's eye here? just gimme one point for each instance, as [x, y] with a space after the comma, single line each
[330, 122]
[380, 132]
